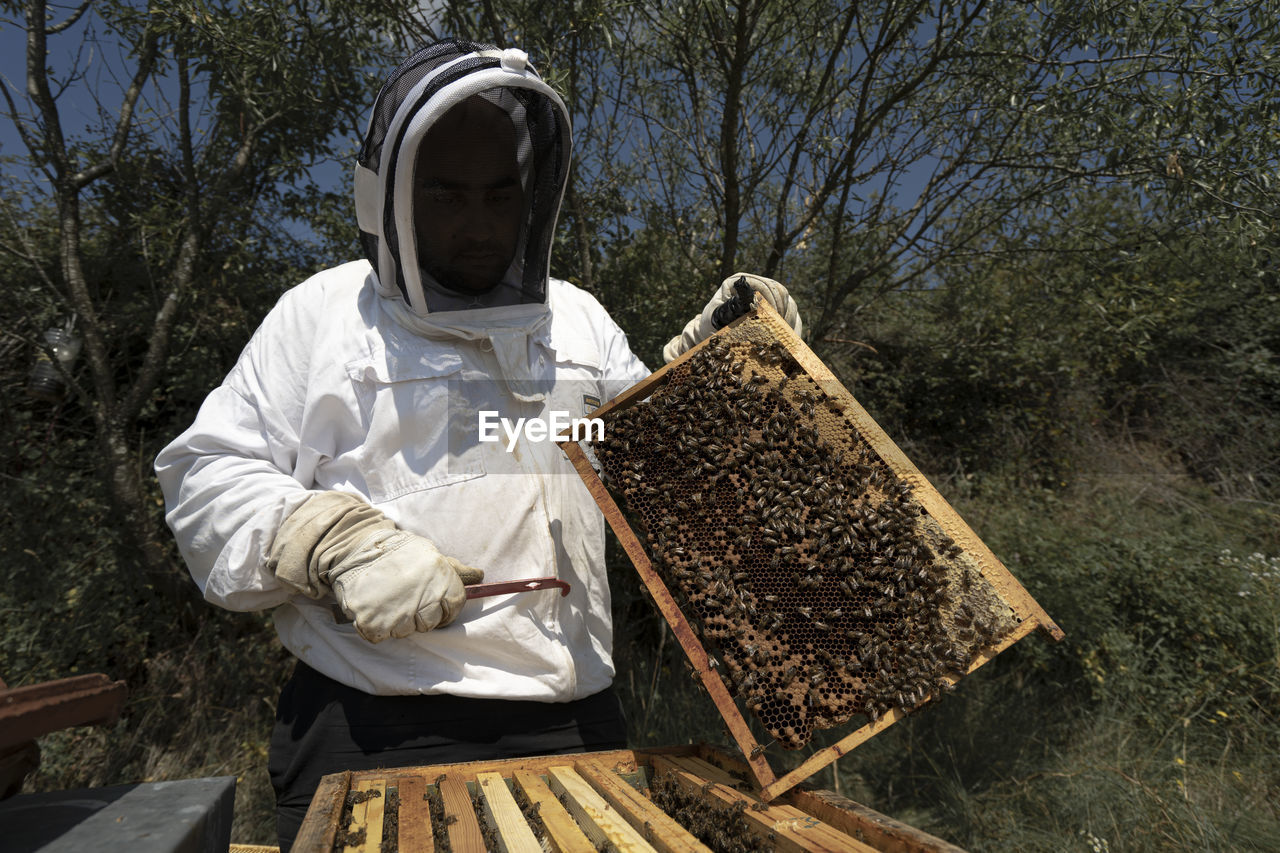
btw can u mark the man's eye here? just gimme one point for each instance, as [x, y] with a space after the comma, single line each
[443, 197]
[502, 197]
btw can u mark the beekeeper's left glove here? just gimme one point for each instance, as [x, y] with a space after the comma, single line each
[722, 309]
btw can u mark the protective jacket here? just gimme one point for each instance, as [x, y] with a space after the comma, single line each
[375, 379]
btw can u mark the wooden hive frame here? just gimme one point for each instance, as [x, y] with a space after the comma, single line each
[1027, 615]
[584, 801]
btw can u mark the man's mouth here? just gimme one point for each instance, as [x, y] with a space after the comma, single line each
[474, 255]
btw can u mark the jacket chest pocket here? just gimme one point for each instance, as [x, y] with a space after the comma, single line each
[418, 435]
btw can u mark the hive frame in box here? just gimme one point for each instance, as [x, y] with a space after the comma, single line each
[584, 800]
[1028, 613]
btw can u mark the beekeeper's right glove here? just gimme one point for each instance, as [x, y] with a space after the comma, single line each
[723, 308]
[388, 581]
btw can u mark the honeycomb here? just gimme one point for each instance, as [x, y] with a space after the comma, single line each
[804, 562]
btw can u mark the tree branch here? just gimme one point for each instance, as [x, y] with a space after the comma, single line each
[54, 147]
[146, 63]
[69, 22]
[184, 269]
[32, 145]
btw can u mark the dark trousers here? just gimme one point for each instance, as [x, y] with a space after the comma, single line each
[324, 727]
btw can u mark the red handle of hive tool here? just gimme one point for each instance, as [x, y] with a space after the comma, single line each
[483, 590]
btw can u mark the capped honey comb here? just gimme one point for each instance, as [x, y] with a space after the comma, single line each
[824, 575]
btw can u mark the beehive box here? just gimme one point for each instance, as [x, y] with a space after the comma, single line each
[813, 576]
[688, 799]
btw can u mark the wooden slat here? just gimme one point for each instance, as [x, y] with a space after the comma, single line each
[465, 835]
[28, 712]
[364, 815]
[657, 827]
[375, 809]
[600, 821]
[625, 759]
[786, 828]
[415, 816]
[700, 768]
[562, 830]
[320, 826]
[880, 831]
[513, 832]
[709, 771]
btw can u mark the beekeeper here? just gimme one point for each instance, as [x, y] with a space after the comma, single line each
[339, 474]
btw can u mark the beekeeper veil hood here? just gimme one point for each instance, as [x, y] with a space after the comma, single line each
[434, 90]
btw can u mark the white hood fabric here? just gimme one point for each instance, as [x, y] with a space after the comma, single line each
[355, 382]
[416, 95]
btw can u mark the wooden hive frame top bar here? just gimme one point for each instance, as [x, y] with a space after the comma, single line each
[583, 802]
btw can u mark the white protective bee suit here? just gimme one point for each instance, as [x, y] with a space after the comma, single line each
[367, 379]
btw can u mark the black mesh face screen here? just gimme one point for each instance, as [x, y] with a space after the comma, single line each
[397, 88]
[448, 273]
[548, 138]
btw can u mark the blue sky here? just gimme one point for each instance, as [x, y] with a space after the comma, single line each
[92, 96]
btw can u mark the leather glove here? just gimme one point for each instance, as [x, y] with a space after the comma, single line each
[388, 581]
[702, 326]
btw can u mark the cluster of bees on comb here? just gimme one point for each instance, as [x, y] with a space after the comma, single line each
[800, 557]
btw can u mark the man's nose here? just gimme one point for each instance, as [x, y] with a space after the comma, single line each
[475, 220]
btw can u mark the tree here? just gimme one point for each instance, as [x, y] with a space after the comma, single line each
[854, 150]
[142, 223]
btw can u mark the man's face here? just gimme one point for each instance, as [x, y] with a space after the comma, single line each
[468, 201]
